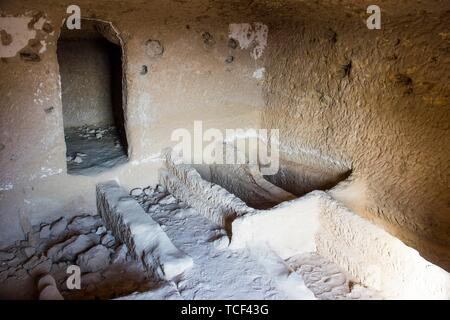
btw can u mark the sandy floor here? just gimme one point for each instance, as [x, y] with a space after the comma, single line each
[92, 150]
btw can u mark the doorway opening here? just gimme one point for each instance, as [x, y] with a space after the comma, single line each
[90, 64]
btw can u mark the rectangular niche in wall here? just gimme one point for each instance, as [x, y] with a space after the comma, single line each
[90, 64]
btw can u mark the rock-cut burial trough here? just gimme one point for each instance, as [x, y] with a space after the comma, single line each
[143, 236]
[290, 226]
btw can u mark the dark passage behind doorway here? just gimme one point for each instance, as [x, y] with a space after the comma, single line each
[91, 84]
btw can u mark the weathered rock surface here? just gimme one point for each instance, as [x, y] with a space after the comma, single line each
[70, 248]
[95, 259]
[58, 227]
[108, 240]
[84, 224]
[6, 256]
[45, 232]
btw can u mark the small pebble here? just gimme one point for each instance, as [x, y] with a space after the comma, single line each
[78, 159]
[136, 192]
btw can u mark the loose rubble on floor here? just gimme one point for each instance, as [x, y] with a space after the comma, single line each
[109, 271]
[93, 149]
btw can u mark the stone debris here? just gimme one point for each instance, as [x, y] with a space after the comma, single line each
[77, 159]
[136, 192]
[155, 199]
[85, 224]
[88, 132]
[100, 230]
[84, 241]
[43, 266]
[98, 148]
[15, 262]
[6, 256]
[95, 259]
[58, 227]
[29, 251]
[148, 191]
[69, 249]
[169, 199]
[32, 262]
[94, 132]
[108, 240]
[160, 189]
[45, 232]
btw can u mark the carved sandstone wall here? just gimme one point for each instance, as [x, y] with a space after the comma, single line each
[375, 101]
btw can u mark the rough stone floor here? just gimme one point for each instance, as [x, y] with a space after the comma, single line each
[93, 150]
[218, 273]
